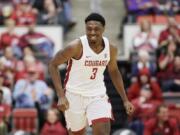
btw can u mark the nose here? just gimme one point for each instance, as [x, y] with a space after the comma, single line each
[92, 32]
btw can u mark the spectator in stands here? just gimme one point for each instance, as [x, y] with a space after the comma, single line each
[135, 8]
[145, 104]
[67, 7]
[5, 12]
[28, 51]
[167, 7]
[29, 60]
[7, 96]
[162, 124]
[144, 81]
[48, 13]
[9, 63]
[31, 91]
[10, 39]
[172, 33]
[5, 112]
[24, 14]
[143, 61]
[172, 83]
[55, 12]
[166, 60]
[145, 108]
[8, 57]
[42, 46]
[145, 39]
[53, 125]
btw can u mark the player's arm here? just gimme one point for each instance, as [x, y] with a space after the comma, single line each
[115, 74]
[117, 79]
[71, 51]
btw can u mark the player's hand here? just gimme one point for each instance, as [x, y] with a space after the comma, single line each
[63, 103]
[129, 107]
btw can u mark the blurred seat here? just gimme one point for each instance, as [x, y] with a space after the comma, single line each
[177, 17]
[145, 17]
[171, 97]
[25, 119]
[160, 19]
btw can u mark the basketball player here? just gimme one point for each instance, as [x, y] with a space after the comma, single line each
[83, 98]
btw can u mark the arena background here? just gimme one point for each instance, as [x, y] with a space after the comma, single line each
[122, 25]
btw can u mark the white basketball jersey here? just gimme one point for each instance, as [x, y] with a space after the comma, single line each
[86, 75]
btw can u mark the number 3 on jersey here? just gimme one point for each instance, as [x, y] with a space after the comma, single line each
[94, 72]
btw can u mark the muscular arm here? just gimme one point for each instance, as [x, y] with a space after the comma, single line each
[73, 50]
[115, 74]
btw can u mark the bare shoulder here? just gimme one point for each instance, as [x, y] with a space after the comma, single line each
[75, 45]
[113, 49]
[72, 50]
[113, 58]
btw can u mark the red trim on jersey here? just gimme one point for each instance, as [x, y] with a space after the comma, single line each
[101, 120]
[112, 114]
[67, 73]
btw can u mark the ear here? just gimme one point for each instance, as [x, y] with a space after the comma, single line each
[103, 29]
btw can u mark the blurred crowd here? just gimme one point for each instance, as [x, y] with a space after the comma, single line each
[155, 66]
[155, 63]
[24, 59]
[43, 12]
[155, 9]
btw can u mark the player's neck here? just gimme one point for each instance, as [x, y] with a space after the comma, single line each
[98, 46]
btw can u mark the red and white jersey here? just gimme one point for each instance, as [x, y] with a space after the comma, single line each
[86, 75]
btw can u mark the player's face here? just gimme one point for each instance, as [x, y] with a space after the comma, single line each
[94, 31]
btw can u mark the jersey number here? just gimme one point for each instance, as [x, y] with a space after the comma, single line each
[94, 72]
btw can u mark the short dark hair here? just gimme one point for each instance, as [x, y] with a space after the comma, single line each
[95, 17]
